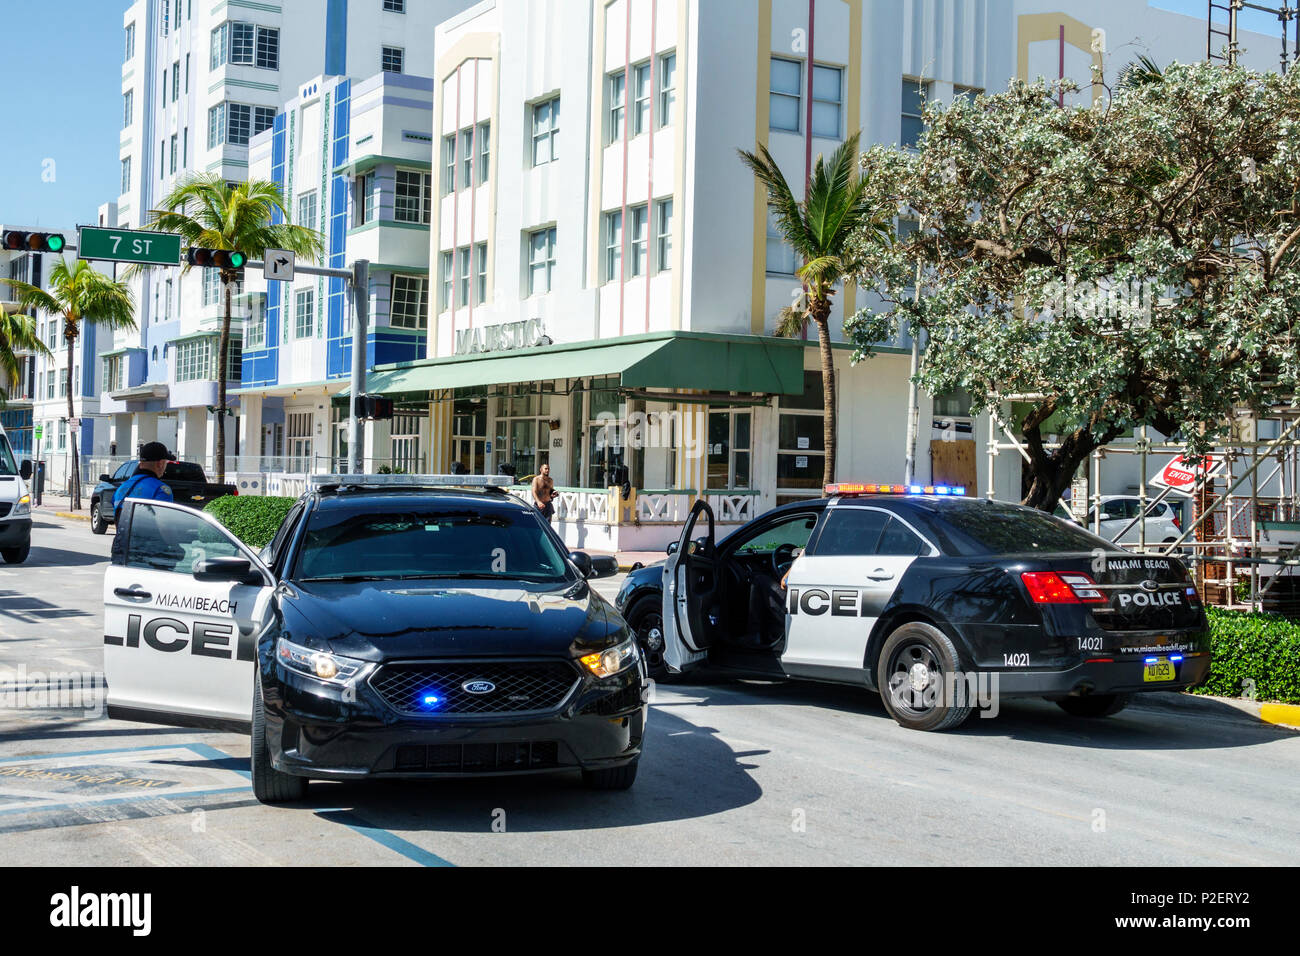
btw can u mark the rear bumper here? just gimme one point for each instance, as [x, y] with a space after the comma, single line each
[1117, 677]
[15, 533]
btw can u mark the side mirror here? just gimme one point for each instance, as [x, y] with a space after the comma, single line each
[582, 561]
[672, 548]
[105, 477]
[25, 469]
[234, 570]
[604, 566]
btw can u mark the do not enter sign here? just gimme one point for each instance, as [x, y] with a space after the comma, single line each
[1184, 475]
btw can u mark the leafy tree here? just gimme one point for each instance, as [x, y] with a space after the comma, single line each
[80, 295]
[1129, 263]
[819, 229]
[208, 212]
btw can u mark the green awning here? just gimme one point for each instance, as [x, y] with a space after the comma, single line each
[668, 360]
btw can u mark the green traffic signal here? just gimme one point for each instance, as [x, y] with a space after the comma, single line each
[54, 243]
[237, 260]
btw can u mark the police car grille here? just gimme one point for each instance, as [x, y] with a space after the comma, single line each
[476, 758]
[517, 687]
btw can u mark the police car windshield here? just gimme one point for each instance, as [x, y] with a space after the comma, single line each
[992, 527]
[7, 466]
[402, 544]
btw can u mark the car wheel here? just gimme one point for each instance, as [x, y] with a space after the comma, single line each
[97, 523]
[646, 619]
[1094, 705]
[269, 785]
[16, 555]
[610, 778]
[917, 673]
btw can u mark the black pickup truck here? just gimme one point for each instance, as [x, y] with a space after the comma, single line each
[188, 482]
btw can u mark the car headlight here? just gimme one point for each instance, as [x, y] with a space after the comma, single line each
[24, 506]
[613, 660]
[331, 668]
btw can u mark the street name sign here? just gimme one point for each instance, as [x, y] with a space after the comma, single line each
[126, 245]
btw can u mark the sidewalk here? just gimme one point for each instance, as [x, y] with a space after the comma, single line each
[61, 506]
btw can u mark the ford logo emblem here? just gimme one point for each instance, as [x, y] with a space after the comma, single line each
[478, 687]
[1149, 585]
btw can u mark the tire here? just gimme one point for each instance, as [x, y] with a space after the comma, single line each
[611, 778]
[1094, 705]
[269, 785]
[645, 618]
[16, 555]
[916, 698]
[97, 523]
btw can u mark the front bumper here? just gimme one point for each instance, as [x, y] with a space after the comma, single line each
[15, 533]
[1092, 678]
[312, 732]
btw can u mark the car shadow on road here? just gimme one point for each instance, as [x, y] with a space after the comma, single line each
[686, 772]
[40, 557]
[1182, 722]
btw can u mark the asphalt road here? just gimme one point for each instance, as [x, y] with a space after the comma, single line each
[733, 773]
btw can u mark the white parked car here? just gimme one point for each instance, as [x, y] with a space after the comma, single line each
[1118, 512]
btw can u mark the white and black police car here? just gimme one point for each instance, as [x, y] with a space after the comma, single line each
[396, 626]
[921, 593]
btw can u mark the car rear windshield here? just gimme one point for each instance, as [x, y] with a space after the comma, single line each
[184, 471]
[502, 546]
[992, 527]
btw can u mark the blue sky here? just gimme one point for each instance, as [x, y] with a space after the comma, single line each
[61, 102]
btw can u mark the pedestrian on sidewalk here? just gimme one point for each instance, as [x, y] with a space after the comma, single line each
[544, 492]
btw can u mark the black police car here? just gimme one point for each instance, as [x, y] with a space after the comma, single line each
[394, 627]
[930, 599]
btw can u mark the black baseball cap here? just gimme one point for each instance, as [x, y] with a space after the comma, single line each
[154, 451]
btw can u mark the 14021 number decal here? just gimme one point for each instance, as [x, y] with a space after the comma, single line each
[1090, 643]
[1015, 660]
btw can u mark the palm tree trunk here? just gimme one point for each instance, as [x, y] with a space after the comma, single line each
[223, 348]
[74, 475]
[821, 309]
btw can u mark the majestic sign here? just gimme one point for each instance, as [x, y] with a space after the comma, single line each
[501, 337]
[1182, 475]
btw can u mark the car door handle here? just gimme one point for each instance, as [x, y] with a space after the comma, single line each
[880, 574]
[134, 594]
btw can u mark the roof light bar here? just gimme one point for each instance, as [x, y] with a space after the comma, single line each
[412, 481]
[846, 489]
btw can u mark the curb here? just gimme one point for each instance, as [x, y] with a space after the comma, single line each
[69, 514]
[1286, 715]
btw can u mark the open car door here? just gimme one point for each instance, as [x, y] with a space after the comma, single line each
[690, 590]
[184, 605]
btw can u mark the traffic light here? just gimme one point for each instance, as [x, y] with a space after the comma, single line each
[15, 241]
[215, 258]
[375, 407]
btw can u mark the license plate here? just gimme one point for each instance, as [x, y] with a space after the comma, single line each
[1160, 669]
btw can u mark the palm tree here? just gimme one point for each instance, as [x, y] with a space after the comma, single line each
[819, 230]
[208, 212]
[79, 294]
[17, 334]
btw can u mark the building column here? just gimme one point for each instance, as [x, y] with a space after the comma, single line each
[440, 433]
[144, 428]
[693, 447]
[192, 442]
[377, 449]
[250, 433]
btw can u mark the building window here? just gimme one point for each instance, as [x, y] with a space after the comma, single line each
[484, 151]
[546, 131]
[395, 6]
[307, 204]
[827, 95]
[541, 260]
[480, 273]
[211, 286]
[130, 42]
[63, 434]
[449, 164]
[128, 107]
[664, 235]
[640, 98]
[176, 81]
[613, 245]
[730, 443]
[216, 125]
[446, 276]
[413, 199]
[410, 302]
[404, 435]
[166, 16]
[467, 157]
[298, 433]
[801, 448]
[304, 319]
[915, 94]
[667, 88]
[967, 93]
[187, 74]
[462, 276]
[268, 49]
[365, 199]
[245, 44]
[255, 329]
[113, 373]
[639, 239]
[617, 84]
[194, 360]
[126, 175]
[172, 166]
[392, 59]
[263, 119]
[185, 147]
[780, 256]
[239, 123]
[784, 98]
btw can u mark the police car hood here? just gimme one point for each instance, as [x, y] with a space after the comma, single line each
[378, 620]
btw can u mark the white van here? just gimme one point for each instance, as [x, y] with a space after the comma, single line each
[15, 504]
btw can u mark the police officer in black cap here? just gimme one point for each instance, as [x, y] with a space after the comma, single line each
[146, 482]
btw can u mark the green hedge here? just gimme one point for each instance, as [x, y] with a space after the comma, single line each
[1264, 648]
[254, 520]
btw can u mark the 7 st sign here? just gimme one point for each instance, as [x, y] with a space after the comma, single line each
[126, 245]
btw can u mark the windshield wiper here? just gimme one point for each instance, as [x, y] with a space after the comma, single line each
[348, 578]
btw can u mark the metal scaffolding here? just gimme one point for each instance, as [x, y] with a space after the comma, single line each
[1226, 30]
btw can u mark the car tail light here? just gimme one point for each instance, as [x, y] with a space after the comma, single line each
[1178, 524]
[1049, 587]
[235, 492]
